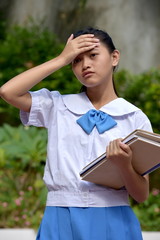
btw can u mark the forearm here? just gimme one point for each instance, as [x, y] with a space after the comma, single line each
[23, 82]
[121, 155]
[136, 185]
[16, 90]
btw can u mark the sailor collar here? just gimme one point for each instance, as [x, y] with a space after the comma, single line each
[80, 104]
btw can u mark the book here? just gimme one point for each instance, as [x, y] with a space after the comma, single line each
[145, 148]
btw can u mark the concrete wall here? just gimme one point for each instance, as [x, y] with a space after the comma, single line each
[41, 11]
[135, 28]
[133, 24]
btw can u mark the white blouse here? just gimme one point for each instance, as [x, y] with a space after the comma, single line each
[70, 148]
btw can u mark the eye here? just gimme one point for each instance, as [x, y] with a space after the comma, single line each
[93, 55]
[76, 60]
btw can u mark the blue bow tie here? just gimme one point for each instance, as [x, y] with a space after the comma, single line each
[92, 118]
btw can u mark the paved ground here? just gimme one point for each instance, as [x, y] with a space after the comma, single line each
[17, 234]
[151, 235]
[29, 234]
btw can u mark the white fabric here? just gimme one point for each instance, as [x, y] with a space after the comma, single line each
[70, 148]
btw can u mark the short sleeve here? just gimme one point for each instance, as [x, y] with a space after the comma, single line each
[42, 105]
[142, 122]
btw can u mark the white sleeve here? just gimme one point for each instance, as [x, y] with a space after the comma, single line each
[142, 122]
[42, 105]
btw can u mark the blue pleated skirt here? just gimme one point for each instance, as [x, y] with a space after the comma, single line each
[96, 223]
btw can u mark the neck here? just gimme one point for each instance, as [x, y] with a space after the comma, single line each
[100, 96]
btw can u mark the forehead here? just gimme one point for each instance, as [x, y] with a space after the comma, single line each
[100, 49]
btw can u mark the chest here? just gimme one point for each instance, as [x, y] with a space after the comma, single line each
[64, 132]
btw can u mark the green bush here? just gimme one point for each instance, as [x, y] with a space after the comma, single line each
[23, 150]
[23, 48]
[149, 212]
[143, 90]
[23, 193]
[22, 159]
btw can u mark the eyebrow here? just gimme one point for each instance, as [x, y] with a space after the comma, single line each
[95, 49]
[90, 51]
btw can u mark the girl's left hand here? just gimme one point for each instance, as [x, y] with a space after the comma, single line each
[119, 153]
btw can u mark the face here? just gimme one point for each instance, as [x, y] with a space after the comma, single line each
[95, 67]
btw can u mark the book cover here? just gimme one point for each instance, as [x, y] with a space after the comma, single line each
[146, 158]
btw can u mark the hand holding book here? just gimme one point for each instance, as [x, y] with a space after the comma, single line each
[145, 148]
[119, 153]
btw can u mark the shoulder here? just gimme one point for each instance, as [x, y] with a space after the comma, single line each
[44, 93]
[77, 103]
[142, 121]
[139, 118]
[120, 107]
[45, 97]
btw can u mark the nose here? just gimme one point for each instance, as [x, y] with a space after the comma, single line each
[86, 63]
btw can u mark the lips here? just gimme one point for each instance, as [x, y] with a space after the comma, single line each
[87, 74]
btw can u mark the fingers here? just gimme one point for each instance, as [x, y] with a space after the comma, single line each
[82, 37]
[78, 45]
[117, 149]
[120, 154]
[113, 148]
[124, 147]
[83, 41]
[70, 38]
[86, 41]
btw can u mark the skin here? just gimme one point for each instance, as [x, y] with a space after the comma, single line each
[94, 70]
[93, 65]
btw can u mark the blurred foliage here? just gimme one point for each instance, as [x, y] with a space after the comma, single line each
[22, 159]
[23, 150]
[23, 48]
[143, 90]
[149, 212]
[23, 193]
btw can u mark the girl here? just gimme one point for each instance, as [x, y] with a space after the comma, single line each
[80, 127]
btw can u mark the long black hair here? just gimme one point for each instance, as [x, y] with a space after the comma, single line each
[105, 39]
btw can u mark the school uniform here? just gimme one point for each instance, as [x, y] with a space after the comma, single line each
[76, 209]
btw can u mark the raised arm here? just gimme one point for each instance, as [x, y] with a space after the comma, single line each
[15, 91]
[121, 155]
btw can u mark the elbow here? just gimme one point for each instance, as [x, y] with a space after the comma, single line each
[4, 93]
[142, 198]
[21, 102]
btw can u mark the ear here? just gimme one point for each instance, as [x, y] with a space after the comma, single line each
[115, 58]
